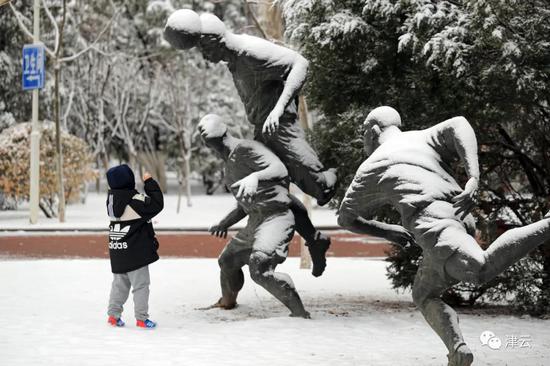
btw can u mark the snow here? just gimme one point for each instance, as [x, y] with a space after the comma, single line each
[339, 25]
[185, 20]
[409, 164]
[262, 49]
[211, 24]
[54, 314]
[213, 126]
[272, 232]
[330, 177]
[206, 211]
[384, 116]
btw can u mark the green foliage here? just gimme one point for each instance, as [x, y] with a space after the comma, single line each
[487, 60]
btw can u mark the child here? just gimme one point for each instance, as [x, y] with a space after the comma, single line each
[132, 242]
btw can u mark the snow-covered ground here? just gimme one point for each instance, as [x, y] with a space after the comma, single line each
[204, 212]
[53, 313]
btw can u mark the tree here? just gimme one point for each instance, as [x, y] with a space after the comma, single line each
[56, 54]
[484, 59]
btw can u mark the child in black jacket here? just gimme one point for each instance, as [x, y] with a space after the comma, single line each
[132, 242]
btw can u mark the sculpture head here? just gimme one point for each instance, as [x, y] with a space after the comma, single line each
[212, 42]
[213, 131]
[377, 121]
[185, 29]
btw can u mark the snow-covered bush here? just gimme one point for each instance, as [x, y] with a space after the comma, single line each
[15, 164]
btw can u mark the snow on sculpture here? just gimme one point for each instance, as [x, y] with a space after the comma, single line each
[259, 181]
[268, 78]
[409, 171]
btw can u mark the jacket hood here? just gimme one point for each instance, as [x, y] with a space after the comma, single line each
[121, 177]
[117, 200]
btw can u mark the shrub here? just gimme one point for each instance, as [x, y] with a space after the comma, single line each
[15, 164]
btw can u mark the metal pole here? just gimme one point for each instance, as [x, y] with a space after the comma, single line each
[35, 132]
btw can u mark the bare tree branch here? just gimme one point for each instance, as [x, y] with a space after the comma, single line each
[26, 31]
[91, 46]
[54, 23]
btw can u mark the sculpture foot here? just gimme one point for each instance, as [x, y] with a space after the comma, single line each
[462, 356]
[303, 314]
[220, 305]
[317, 251]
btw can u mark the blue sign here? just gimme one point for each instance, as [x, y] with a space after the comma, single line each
[33, 66]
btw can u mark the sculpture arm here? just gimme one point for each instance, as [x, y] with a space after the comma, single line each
[457, 133]
[394, 233]
[293, 83]
[236, 215]
[273, 168]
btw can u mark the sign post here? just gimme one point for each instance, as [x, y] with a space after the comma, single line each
[33, 79]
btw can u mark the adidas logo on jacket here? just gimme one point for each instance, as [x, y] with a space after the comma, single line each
[132, 241]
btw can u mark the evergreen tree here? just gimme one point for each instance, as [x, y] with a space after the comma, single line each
[488, 60]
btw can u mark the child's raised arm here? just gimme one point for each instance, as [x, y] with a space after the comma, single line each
[149, 205]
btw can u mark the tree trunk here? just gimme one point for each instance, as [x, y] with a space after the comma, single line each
[180, 183]
[98, 178]
[59, 152]
[185, 168]
[271, 20]
[133, 161]
[105, 161]
[305, 258]
[84, 193]
[155, 163]
[544, 299]
[187, 179]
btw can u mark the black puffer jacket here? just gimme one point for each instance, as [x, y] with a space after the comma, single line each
[132, 241]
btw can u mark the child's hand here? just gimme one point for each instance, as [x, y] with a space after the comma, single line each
[146, 176]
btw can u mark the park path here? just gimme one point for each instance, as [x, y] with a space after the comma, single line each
[199, 244]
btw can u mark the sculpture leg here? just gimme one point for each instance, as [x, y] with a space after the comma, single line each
[270, 248]
[427, 290]
[317, 242]
[280, 285]
[468, 263]
[304, 226]
[231, 261]
[303, 164]
[471, 264]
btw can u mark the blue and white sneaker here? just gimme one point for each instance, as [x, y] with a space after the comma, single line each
[115, 322]
[148, 324]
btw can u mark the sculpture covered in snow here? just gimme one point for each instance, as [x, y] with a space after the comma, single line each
[410, 171]
[259, 181]
[268, 78]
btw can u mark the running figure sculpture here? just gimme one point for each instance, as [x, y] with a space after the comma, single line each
[268, 78]
[259, 181]
[410, 171]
